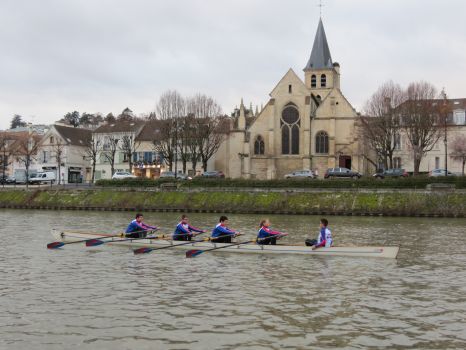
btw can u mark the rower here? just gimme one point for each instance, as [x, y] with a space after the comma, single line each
[324, 239]
[184, 231]
[221, 233]
[137, 228]
[266, 235]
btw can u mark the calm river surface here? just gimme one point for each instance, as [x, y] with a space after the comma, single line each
[107, 298]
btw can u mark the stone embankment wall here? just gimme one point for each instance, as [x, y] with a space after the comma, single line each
[328, 202]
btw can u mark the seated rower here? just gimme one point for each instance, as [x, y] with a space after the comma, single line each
[221, 233]
[137, 228]
[184, 231]
[324, 239]
[266, 236]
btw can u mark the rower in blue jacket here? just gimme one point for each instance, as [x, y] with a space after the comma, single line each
[137, 228]
[266, 235]
[184, 231]
[221, 233]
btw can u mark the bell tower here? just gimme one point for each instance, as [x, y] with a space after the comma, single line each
[320, 73]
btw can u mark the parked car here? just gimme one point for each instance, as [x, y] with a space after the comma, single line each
[42, 177]
[300, 174]
[440, 172]
[10, 180]
[391, 173]
[341, 172]
[171, 174]
[213, 174]
[3, 179]
[123, 175]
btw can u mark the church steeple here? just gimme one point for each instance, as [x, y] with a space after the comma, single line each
[320, 72]
[320, 55]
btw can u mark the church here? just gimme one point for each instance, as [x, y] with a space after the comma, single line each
[305, 125]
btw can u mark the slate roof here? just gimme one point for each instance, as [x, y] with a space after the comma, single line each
[120, 126]
[320, 55]
[74, 136]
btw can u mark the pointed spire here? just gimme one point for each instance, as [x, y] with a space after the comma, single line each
[242, 117]
[320, 55]
[257, 111]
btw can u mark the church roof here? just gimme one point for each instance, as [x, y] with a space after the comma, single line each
[320, 55]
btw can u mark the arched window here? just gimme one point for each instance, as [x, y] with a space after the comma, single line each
[290, 123]
[323, 80]
[259, 145]
[313, 81]
[322, 142]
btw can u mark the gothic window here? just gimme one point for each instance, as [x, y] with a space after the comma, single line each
[322, 142]
[313, 81]
[323, 80]
[290, 123]
[259, 145]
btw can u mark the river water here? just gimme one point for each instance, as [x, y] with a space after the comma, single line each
[107, 298]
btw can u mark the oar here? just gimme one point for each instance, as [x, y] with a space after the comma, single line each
[195, 252]
[98, 241]
[145, 250]
[55, 245]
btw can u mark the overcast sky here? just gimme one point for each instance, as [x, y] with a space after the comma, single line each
[91, 56]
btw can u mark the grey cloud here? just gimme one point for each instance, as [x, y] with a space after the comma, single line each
[104, 55]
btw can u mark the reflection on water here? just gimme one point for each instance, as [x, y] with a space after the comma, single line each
[107, 298]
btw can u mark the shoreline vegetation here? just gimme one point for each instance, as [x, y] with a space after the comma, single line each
[404, 197]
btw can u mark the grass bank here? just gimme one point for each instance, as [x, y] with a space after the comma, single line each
[405, 203]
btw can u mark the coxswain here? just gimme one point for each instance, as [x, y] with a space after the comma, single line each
[184, 231]
[137, 228]
[221, 233]
[266, 235]
[324, 239]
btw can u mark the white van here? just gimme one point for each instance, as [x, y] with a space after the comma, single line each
[46, 176]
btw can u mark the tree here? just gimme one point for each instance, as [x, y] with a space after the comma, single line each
[4, 159]
[110, 148]
[91, 151]
[381, 123]
[126, 115]
[86, 119]
[25, 151]
[210, 127]
[420, 120]
[458, 146]
[58, 148]
[110, 118]
[72, 118]
[17, 122]
[170, 107]
[129, 146]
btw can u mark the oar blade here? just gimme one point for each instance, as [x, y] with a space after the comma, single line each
[55, 245]
[143, 250]
[193, 253]
[94, 242]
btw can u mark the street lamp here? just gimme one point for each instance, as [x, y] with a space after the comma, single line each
[445, 117]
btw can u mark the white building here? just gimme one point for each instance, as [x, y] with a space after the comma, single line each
[67, 144]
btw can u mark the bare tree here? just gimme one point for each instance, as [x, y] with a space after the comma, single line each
[4, 159]
[58, 149]
[129, 145]
[209, 126]
[25, 151]
[458, 146]
[109, 150]
[381, 124]
[170, 107]
[420, 120]
[91, 152]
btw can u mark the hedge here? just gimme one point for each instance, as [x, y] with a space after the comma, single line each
[408, 183]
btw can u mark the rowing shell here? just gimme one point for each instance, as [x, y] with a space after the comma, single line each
[376, 252]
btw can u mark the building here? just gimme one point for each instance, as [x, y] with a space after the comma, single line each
[63, 150]
[305, 125]
[435, 158]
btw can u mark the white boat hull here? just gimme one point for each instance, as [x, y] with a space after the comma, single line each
[368, 251]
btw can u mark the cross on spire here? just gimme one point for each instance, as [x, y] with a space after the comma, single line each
[320, 7]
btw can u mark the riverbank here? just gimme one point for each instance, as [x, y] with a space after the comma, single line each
[321, 202]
